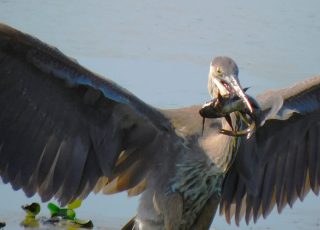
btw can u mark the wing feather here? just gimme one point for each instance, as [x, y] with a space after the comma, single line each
[63, 128]
[280, 163]
[268, 188]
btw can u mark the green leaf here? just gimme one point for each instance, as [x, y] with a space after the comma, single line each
[70, 214]
[75, 204]
[32, 210]
[84, 223]
[54, 209]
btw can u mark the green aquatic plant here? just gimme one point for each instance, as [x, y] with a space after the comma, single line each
[30, 220]
[75, 204]
[64, 217]
[65, 213]
[32, 210]
[69, 214]
[83, 223]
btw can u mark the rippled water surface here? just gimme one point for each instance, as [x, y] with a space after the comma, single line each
[160, 50]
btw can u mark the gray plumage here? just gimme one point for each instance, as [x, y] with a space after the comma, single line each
[65, 131]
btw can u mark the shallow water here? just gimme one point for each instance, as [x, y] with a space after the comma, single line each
[160, 51]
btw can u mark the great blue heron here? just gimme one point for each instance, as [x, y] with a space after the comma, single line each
[65, 131]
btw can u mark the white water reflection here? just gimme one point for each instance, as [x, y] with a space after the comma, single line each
[160, 50]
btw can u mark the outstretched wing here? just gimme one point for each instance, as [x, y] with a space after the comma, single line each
[64, 131]
[281, 162]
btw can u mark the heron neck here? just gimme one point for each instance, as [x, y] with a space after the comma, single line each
[225, 160]
[220, 148]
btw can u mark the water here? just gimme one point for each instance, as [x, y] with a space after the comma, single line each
[160, 50]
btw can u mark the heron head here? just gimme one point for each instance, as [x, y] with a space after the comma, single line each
[223, 80]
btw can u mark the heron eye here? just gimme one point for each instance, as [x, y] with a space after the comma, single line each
[219, 71]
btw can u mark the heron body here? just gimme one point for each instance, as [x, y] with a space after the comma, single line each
[65, 132]
[199, 174]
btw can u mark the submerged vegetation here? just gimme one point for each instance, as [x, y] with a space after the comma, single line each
[64, 217]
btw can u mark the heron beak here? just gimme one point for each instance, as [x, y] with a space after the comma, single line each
[228, 86]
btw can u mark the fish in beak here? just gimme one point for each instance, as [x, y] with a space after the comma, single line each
[224, 106]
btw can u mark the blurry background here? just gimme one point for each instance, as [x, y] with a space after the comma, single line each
[161, 50]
